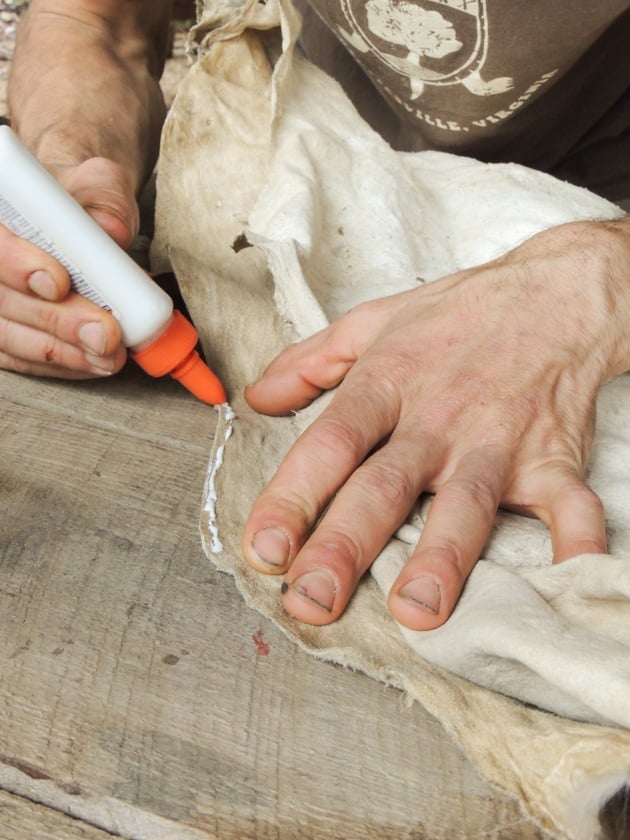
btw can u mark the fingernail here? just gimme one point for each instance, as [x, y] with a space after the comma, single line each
[272, 547]
[103, 365]
[42, 285]
[317, 586]
[92, 337]
[424, 592]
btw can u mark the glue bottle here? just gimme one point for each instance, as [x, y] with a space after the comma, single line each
[34, 206]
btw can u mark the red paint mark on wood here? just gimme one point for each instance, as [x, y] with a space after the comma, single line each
[261, 644]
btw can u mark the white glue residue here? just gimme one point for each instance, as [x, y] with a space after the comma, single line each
[226, 419]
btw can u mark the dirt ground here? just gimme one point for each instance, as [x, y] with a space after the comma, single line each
[176, 65]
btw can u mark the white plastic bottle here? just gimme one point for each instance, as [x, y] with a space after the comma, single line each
[161, 340]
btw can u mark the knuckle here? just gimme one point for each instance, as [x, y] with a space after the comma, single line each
[449, 558]
[388, 484]
[338, 438]
[294, 507]
[51, 321]
[400, 365]
[282, 504]
[362, 310]
[476, 492]
[51, 351]
[342, 547]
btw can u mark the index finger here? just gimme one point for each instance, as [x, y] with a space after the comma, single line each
[317, 465]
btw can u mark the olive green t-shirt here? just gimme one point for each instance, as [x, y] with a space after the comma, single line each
[541, 82]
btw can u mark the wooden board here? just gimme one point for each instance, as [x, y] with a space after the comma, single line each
[138, 693]
[21, 818]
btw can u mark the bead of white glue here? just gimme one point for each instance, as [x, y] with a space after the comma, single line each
[34, 206]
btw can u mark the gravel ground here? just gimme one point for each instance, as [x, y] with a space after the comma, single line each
[10, 11]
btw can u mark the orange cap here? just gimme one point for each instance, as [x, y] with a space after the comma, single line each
[174, 352]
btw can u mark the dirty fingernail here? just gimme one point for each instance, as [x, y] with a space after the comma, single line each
[272, 547]
[92, 337]
[42, 285]
[103, 365]
[423, 592]
[317, 586]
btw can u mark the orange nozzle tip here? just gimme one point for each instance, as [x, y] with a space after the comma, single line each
[197, 377]
[173, 352]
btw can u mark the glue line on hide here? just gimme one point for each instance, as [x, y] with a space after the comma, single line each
[226, 414]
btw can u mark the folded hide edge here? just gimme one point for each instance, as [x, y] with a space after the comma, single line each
[278, 159]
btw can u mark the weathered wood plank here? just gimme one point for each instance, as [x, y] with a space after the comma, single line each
[20, 818]
[136, 688]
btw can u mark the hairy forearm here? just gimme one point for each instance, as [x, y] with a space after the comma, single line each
[85, 81]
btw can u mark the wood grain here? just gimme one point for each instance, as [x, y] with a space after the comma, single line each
[137, 691]
[21, 818]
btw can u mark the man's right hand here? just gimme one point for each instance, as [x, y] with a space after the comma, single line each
[84, 96]
[46, 329]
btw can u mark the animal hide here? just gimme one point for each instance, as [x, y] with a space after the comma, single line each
[279, 209]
